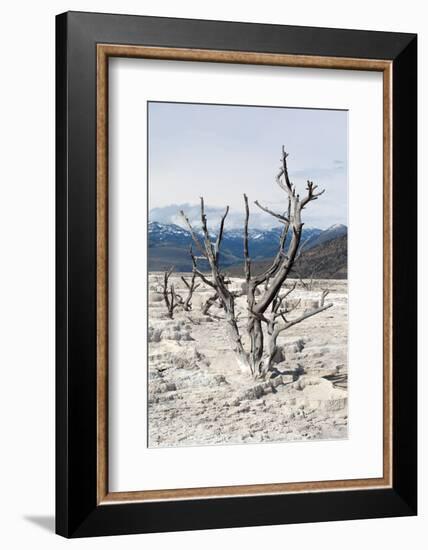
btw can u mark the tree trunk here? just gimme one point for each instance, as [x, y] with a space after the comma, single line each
[272, 347]
[255, 332]
[242, 356]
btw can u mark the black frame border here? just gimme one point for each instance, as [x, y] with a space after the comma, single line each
[77, 512]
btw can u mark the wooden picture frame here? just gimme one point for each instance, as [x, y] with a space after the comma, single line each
[84, 504]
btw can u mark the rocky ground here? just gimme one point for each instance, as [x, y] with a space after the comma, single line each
[199, 396]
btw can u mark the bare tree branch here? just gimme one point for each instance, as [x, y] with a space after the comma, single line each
[247, 264]
[185, 282]
[220, 235]
[207, 240]
[304, 316]
[193, 234]
[323, 296]
[186, 302]
[209, 303]
[198, 272]
[311, 196]
[280, 217]
[272, 269]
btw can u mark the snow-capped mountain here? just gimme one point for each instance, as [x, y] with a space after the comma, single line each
[161, 233]
[331, 233]
[169, 244]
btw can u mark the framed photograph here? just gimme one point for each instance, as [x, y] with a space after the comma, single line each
[236, 274]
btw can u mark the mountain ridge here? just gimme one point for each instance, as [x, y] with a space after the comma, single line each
[327, 260]
[169, 244]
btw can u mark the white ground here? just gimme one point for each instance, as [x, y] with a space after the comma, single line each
[199, 396]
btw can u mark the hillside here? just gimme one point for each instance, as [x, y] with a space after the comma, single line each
[326, 260]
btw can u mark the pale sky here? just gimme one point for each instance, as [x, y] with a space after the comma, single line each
[222, 151]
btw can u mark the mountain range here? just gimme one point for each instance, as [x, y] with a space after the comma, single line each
[169, 246]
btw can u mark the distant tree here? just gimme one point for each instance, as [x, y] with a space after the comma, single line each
[186, 303]
[172, 299]
[169, 295]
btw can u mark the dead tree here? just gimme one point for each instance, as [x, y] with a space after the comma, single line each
[172, 301]
[307, 285]
[268, 307]
[186, 303]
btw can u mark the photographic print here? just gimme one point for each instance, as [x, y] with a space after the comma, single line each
[247, 283]
[213, 311]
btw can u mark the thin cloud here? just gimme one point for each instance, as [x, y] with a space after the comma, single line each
[223, 151]
[235, 220]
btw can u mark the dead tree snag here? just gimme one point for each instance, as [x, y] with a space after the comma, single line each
[267, 308]
[186, 302]
[169, 295]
